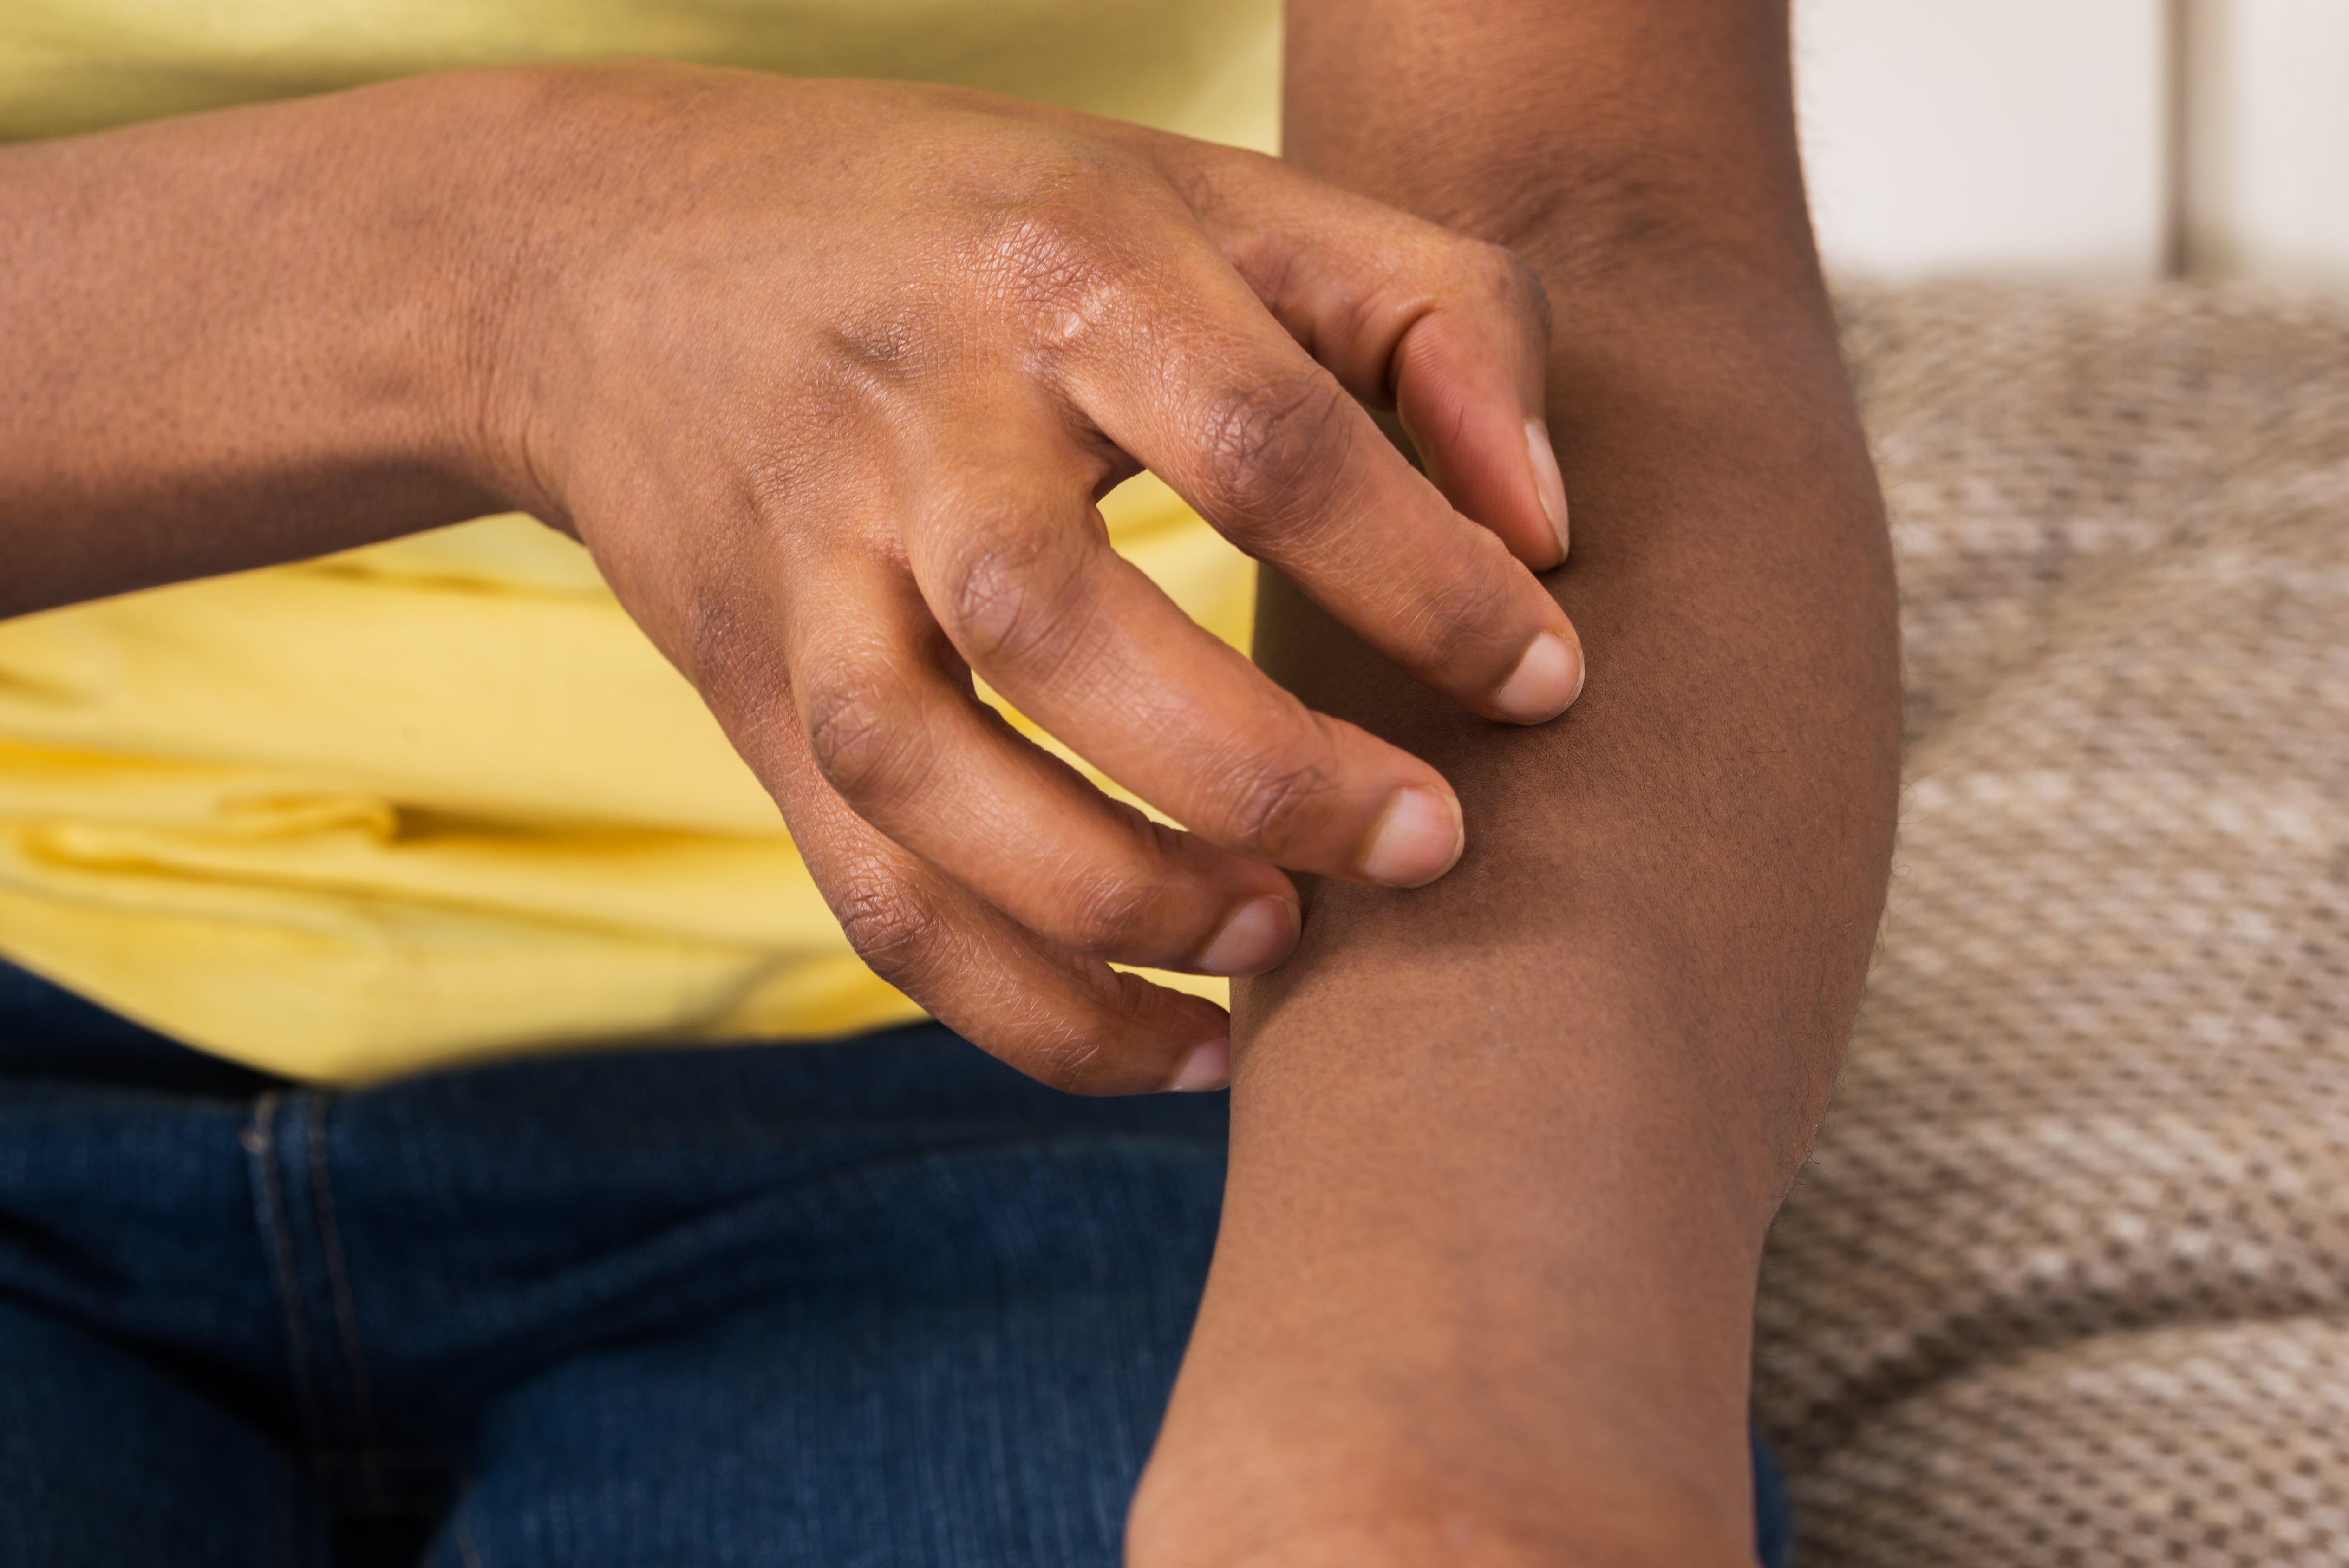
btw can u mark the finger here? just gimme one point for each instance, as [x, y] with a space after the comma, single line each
[1215, 397]
[1064, 1019]
[893, 725]
[1024, 583]
[1489, 456]
[1451, 331]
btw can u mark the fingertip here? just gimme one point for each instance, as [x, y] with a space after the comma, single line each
[1259, 935]
[1549, 484]
[1114, 1033]
[1547, 681]
[1418, 838]
[1208, 1065]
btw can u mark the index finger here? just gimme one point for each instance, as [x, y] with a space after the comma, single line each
[1452, 332]
[1212, 396]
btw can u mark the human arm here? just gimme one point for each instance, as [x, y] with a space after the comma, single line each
[827, 376]
[1505, 1149]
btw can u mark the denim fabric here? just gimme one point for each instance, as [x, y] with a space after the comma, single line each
[879, 1303]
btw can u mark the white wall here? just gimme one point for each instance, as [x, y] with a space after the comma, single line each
[2267, 138]
[2054, 139]
[2010, 136]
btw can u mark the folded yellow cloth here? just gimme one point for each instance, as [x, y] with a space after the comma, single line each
[425, 803]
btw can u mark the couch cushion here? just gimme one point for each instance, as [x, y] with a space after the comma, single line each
[2076, 1231]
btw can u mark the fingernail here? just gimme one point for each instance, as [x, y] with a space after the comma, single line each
[1548, 483]
[1209, 1066]
[1418, 839]
[1545, 683]
[1257, 936]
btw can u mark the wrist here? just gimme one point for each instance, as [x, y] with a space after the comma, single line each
[403, 241]
[1408, 1430]
[493, 264]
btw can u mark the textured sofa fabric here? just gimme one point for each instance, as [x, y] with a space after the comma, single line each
[2067, 1279]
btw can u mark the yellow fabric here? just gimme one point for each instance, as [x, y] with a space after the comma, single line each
[1204, 67]
[438, 800]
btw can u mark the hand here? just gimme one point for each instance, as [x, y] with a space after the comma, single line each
[829, 377]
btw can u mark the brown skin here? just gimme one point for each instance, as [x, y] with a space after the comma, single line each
[829, 376]
[1504, 1147]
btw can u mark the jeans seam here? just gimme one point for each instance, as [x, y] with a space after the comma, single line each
[259, 1141]
[469, 1551]
[291, 1550]
[338, 1277]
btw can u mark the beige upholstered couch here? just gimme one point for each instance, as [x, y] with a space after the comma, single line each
[2067, 1280]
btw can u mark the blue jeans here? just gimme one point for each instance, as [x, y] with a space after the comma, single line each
[879, 1303]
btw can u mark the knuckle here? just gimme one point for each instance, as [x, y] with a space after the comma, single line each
[1505, 275]
[734, 659]
[1063, 1057]
[1278, 450]
[1105, 916]
[1010, 595]
[1277, 804]
[873, 351]
[1051, 252]
[881, 340]
[855, 730]
[1462, 612]
[1067, 286]
[885, 923]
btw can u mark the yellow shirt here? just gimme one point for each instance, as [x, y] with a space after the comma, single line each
[438, 800]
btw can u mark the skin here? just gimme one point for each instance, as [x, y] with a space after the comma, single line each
[826, 375]
[1505, 1147]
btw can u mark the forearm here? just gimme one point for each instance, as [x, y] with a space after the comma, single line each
[1529, 1124]
[239, 338]
[1562, 1090]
